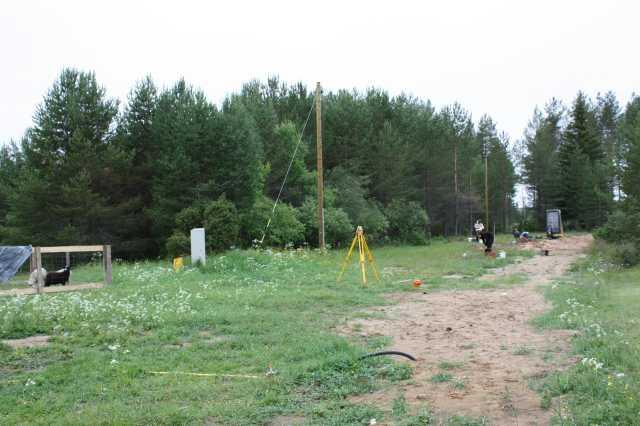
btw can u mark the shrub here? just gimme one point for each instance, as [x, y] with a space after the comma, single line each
[373, 221]
[221, 224]
[189, 218]
[407, 222]
[626, 254]
[620, 227]
[353, 198]
[623, 230]
[178, 244]
[285, 227]
[338, 227]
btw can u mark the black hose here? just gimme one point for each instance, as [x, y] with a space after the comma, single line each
[388, 353]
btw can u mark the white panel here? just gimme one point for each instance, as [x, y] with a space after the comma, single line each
[198, 253]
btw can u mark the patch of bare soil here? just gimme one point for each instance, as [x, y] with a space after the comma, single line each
[51, 289]
[485, 337]
[287, 421]
[28, 342]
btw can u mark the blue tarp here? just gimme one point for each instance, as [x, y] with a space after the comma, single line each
[11, 259]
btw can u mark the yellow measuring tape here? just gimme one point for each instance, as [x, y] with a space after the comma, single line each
[242, 376]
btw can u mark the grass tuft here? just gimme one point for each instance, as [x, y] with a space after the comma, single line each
[441, 378]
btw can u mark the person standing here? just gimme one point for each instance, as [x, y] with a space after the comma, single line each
[478, 229]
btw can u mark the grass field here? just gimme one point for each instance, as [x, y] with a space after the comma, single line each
[265, 314]
[602, 302]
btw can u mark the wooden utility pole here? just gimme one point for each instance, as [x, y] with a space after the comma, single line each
[455, 185]
[319, 156]
[486, 188]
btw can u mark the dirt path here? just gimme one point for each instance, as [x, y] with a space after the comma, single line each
[485, 337]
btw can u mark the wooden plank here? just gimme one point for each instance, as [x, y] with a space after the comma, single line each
[108, 273]
[71, 249]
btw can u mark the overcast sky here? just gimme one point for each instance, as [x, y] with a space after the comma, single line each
[497, 57]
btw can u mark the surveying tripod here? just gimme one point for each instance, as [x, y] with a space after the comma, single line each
[363, 251]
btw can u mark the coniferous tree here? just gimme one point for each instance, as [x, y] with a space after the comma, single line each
[457, 143]
[582, 131]
[630, 136]
[500, 174]
[583, 174]
[278, 155]
[541, 167]
[185, 128]
[69, 190]
[135, 135]
[608, 118]
[10, 168]
[241, 175]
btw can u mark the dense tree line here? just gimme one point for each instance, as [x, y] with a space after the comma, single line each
[585, 159]
[578, 158]
[141, 174]
[623, 224]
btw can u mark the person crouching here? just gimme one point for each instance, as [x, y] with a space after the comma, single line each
[487, 240]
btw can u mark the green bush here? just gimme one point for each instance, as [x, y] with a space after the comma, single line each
[285, 227]
[221, 224]
[338, 227]
[189, 218]
[218, 218]
[178, 244]
[353, 198]
[373, 220]
[626, 254]
[620, 227]
[407, 222]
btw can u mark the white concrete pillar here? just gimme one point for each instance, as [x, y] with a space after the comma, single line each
[198, 252]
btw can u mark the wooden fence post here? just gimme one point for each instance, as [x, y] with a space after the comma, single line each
[108, 273]
[40, 278]
[32, 264]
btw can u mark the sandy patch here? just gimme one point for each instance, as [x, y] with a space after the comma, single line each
[486, 338]
[287, 421]
[51, 289]
[28, 342]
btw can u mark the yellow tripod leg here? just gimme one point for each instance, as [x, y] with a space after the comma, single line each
[346, 259]
[370, 257]
[362, 265]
